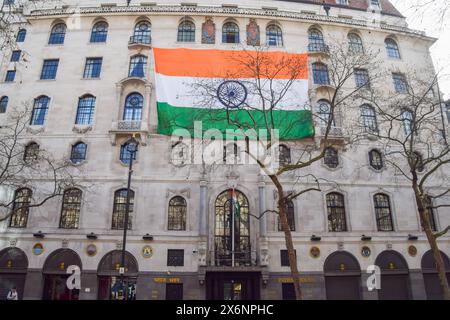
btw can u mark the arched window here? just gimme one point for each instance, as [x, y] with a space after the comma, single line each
[320, 73]
[70, 211]
[85, 111]
[284, 155]
[369, 118]
[22, 200]
[3, 104]
[57, 34]
[138, 66]
[78, 153]
[355, 43]
[125, 154]
[418, 161]
[40, 109]
[383, 212]
[274, 36]
[376, 159]
[177, 213]
[31, 152]
[392, 48]
[315, 41]
[142, 33]
[324, 113]
[119, 209]
[99, 32]
[337, 221]
[407, 120]
[21, 35]
[331, 159]
[230, 33]
[231, 153]
[290, 216]
[186, 31]
[133, 107]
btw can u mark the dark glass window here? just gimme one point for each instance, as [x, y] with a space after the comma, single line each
[85, 110]
[138, 66]
[21, 35]
[290, 216]
[174, 291]
[70, 211]
[392, 48]
[119, 209]
[418, 161]
[125, 155]
[274, 36]
[355, 43]
[10, 75]
[407, 121]
[57, 34]
[400, 84]
[362, 79]
[230, 33]
[49, 69]
[142, 33]
[376, 159]
[40, 109]
[15, 56]
[315, 41]
[78, 153]
[22, 201]
[284, 156]
[175, 257]
[369, 118]
[133, 107]
[337, 221]
[320, 73]
[288, 291]
[177, 213]
[99, 32]
[383, 212]
[324, 113]
[284, 257]
[31, 152]
[186, 32]
[331, 158]
[431, 214]
[3, 104]
[93, 68]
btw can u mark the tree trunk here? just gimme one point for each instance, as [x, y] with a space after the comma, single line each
[425, 222]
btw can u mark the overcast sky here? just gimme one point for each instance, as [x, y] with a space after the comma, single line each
[431, 24]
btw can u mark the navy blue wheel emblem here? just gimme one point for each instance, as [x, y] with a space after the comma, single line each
[232, 94]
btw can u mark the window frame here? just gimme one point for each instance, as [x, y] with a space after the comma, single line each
[381, 205]
[82, 155]
[336, 206]
[320, 73]
[57, 38]
[177, 214]
[4, 100]
[274, 35]
[39, 112]
[73, 206]
[99, 35]
[331, 161]
[24, 213]
[376, 164]
[119, 209]
[93, 68]
[186, 31]
[85, 110]
[230, 29]
[49, 69]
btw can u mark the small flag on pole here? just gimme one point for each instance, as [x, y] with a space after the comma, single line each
[235, 203]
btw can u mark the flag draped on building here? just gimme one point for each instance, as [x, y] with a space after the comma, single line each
[183, 74]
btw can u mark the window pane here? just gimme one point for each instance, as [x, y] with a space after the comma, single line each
[58, 34]
[49, 69]
[10, 76]
[22, 200]
[70, 212]
[186, 32]
[93, 67]
[230, 33]
[336, 213]
[85, 111]
[138, 66]
[99, 32]
[39, 111]
[78, 153]
[177, 214]
[119, 210]
[383, 212]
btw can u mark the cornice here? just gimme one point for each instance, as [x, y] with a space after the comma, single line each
[225, 11]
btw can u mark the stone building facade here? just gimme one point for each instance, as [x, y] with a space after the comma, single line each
[164, 263]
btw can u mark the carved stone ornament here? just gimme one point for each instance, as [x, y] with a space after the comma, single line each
[183, 192]
[35, 129]
[81, 129]
[208, 31]
[253, 34]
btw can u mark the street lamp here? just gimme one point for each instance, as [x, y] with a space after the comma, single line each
[131, 147]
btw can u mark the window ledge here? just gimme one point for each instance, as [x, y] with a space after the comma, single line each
[99, 78]
[46, 80]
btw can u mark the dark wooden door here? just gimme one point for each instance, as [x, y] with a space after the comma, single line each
[55, 288]
[233, 286]
[433, 287]
[394, 287]
[10, 280]
[343, 287]
[288, 291]
[174, 291]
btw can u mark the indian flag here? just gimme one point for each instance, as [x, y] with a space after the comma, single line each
[218, 88]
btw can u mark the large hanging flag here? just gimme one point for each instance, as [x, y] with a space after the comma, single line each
[215, 87]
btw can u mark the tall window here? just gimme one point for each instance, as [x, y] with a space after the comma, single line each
[70, 211]
[290, 216]
[324, 113]
[274, 36]
[284, 155]
[119, 209]
[320, 73]
[31, 152]
[383, 212]
[376, 159]
[49, 69]
[138, 66]
[85, 111]
[418, 161]
[331, 159]
[362, 78]
[431, 214]
[125, 155]
[142, 33]
[21, 35]
[186, 31]
[22, 201]
[177, 213]
[315, 41]
[392, 48]
[369, 118]
[57, 34]
[230, 33]
[407, 120]
[3, 104]
[99, 32]
[133, 107]
[337, 221]
[355, 44]
[40, 109]
[15, 56]
[93, 68]
[10, 76]
[400, 84]
[78, 152]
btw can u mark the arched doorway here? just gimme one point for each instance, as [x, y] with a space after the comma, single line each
[394, 276]
[13, 271]
[430, 275]
[342, 276]
[55, 276]
[109, 280]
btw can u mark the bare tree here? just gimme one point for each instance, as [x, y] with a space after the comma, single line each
[435, 10]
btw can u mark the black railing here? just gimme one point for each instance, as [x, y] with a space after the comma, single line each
[225, 259]
[318, 47]
[140, 40]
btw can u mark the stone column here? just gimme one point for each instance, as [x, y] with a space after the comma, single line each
[262, 208]
[203, 224]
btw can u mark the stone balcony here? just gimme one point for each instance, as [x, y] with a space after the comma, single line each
[122, 128]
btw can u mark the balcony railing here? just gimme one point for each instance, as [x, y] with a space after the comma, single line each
[335, 132]
[318, 47]
[145, 40]
[127, 125]
[241, 258]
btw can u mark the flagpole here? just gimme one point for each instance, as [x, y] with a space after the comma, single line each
[232, 228]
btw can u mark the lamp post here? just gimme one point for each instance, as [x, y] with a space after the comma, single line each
[131, 146]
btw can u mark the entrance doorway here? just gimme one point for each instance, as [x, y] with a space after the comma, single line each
[342, 276]
[394, 276]
[233, 285]
[430, 275]
[13, 271]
